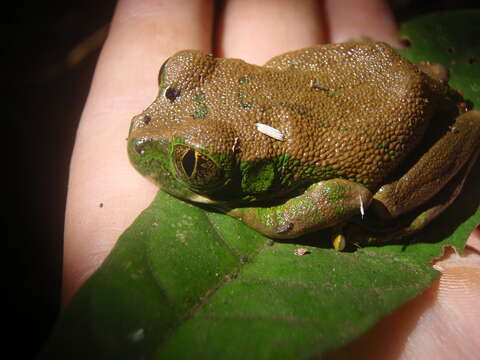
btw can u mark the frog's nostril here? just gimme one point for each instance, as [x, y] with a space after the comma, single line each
[140, 121]
[146, 119]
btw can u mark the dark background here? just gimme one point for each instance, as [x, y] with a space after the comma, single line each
[46, 87]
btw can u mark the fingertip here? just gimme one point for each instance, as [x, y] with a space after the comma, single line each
[473, 242]
[141, 36]
[450, 328]
[258, 30]
[356, 19]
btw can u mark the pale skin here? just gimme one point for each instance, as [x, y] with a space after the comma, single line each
[442, 323]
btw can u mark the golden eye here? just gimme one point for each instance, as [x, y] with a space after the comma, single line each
[195, 168]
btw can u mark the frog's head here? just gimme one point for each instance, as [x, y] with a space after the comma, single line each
[177, 142]
[186, 166]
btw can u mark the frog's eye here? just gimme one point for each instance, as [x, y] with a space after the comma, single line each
[195, 168]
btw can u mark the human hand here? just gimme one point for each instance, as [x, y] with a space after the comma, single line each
[142, 35]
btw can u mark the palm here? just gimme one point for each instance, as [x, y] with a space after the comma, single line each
[142, 36]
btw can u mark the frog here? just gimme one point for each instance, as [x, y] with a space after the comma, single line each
[349, 136]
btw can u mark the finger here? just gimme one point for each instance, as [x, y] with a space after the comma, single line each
[474, 240]
[105, 193]
[354, 19]
[450, 329]
[441, 323]
[257, 30]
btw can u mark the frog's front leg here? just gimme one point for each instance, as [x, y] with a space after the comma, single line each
[323, 204]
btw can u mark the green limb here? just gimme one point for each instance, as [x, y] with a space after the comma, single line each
[323, 204]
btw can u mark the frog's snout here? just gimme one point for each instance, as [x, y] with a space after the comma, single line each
[138, 125]
[140, 121]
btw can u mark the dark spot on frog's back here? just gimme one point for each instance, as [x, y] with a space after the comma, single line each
[243, 80]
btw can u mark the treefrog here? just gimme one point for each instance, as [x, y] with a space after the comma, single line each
[350, 136]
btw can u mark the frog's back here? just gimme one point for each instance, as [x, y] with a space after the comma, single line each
[352, 110]
[345, 110]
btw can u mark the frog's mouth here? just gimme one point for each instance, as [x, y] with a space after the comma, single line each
[201, 199]
[151, 158]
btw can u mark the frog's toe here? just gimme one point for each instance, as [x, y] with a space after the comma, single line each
[435, 71]
[339, 242]
[456, 150]
[284, 228]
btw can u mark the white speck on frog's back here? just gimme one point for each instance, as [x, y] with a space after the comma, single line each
[269, 131]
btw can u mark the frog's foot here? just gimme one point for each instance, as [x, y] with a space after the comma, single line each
[434, 70]
[456, 150]
[323, 204]
[339, 242]
[405, 206]
[409, 224]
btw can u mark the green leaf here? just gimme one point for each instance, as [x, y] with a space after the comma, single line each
[183, 283]
[451, 39]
